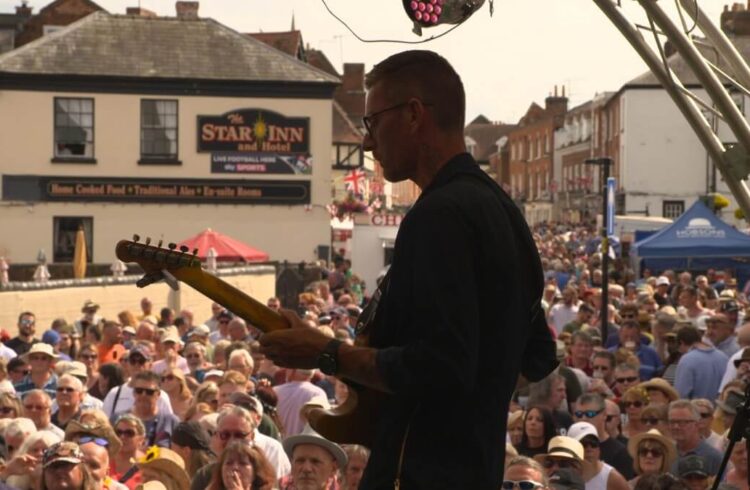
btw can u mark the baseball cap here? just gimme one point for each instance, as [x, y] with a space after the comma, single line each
[141, 350]
[225, 314]
[692, 465]
[201, 330]
[62, 452]
[662, 281]
[579, 430]
[128, 329]
[51, 337]
[729, 306]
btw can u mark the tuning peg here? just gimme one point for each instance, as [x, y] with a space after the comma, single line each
[195, 252]
[159, 244]
[136, 238]
[172, 246]
[148, 240]
[184, 248]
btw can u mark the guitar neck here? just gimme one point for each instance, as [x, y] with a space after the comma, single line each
[249, 309]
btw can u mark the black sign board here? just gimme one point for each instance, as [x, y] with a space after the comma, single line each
[177, 191]
[252, 131]
[261, 163]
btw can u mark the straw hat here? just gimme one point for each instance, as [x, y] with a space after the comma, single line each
[75, 429]
[563, 447]
[653, 435]
[660, 384]
[515, 417]
[40, 348]
[168, 462]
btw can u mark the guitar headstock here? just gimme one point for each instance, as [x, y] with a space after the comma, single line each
[156, 261]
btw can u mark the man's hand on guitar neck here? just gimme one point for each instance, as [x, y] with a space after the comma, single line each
[300, 347]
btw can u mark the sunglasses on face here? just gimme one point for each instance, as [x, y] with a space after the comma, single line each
[146, 391]
[650, 421]
[226, 435]
[655, 452]
[96, 440]
[27, 322]
[628, 379]
[601, 368]
[589, 414]
[636, 404]
[522, 484]
[65, 389]
[192, 356]
[560, 463]
[125, 433]
[88, 357]
[610, 418]
[137, 361]
[590, 443]
[168, 377]
[7, 410]
[706, 415]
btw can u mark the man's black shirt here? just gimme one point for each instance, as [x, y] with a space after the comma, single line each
[453, 333]
[20, 346]
[615, 454]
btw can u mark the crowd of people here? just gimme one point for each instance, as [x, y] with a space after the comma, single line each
[645, 401]
[157, 399]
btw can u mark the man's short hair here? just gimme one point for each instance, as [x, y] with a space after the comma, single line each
[244, 355]
[591, 398]
[531, 464]
[688, 335]
[236, 411]
[148, 376]
[235, 378]
[625, 366]
[605, 354]
[686, 405]
[582, 336]
[425, 75]
[629, 307]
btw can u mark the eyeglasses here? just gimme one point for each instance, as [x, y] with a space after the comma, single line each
[65, 389]
[628, 315]
[192, 356]
[38, 408]
[226, 435]
[589, 414]
[125, 433]
[706, 415]
[655, 452]
[590, 443]
[99, 441]
[522, 484]
[7, 410]
[680, 423]
[26, 322]
[369, 119]
[168, 377]
[88, 357]
[147, 391]
[627, 379]
[560, 463]
[636, 404]
[600, 368]
[610, 418]
[650, 421]
[137, 360]
[25, 372]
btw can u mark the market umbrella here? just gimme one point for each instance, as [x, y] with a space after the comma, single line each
[79, 255]
[227, 248]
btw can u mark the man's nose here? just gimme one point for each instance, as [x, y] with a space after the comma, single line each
[368, 144]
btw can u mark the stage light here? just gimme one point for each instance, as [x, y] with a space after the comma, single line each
[429, 13]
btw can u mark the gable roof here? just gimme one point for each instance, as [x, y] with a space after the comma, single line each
[319, 60]
[102, 44]
[344, 130]
[485, 136]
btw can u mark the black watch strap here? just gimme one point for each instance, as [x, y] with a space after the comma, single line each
[328, 361]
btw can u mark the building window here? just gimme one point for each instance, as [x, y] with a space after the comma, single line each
[49, 29]
[74, 128]
[673, 209]
[158, 131]
[64, 236]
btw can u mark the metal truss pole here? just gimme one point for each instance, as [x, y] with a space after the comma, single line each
[686, 106]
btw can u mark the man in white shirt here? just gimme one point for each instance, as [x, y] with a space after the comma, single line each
[121, 399]
[293, 395]
[561, 314]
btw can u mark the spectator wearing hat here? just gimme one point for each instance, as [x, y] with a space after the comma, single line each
[591, 409]
[315, 460]
[159, 425]
[563, 453]
[743, 340]
[652, 453]
[193, 444]
[130, 430]
[42, 359]
[110, 348]
[700, 368]
[664, 324]
[52, 338]
[692, 472]
[201, 334]
[720, 334]
[659, 391]
[729, 404]
[120, 399]
[222, 332]
[661, 295]
[683, 423]
[243, 466]
[596, 473]
[166, 466]
[62, 468]
[128, 336]
[21, 343]
[89, 317]
[170, 344]
[731, 309]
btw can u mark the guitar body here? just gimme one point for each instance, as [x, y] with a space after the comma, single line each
[349, 423]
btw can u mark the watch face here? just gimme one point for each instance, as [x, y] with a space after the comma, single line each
[327, 364]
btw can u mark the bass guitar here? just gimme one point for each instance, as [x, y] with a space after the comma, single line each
[349, 423]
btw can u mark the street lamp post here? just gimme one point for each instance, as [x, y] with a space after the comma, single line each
[604, 163]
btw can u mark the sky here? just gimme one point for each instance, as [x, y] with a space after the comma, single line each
[506, 61]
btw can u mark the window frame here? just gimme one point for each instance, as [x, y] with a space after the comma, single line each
[73, 158]
[89, 245]
[667, 203]
[153, 159]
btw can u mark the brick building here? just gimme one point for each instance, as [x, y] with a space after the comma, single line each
[531, 153]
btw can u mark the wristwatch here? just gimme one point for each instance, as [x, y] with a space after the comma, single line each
[328, 360]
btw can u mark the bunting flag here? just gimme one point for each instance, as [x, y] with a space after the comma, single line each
[354, 182]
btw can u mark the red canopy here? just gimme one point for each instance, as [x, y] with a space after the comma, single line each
[227, 248]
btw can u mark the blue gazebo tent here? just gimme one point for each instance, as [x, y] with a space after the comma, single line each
[698, 240]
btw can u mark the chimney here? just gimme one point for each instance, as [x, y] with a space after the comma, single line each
[24, 10]
[354, 77]
[187, 10]
[139, 12]
[735, 21]
[556, 105]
